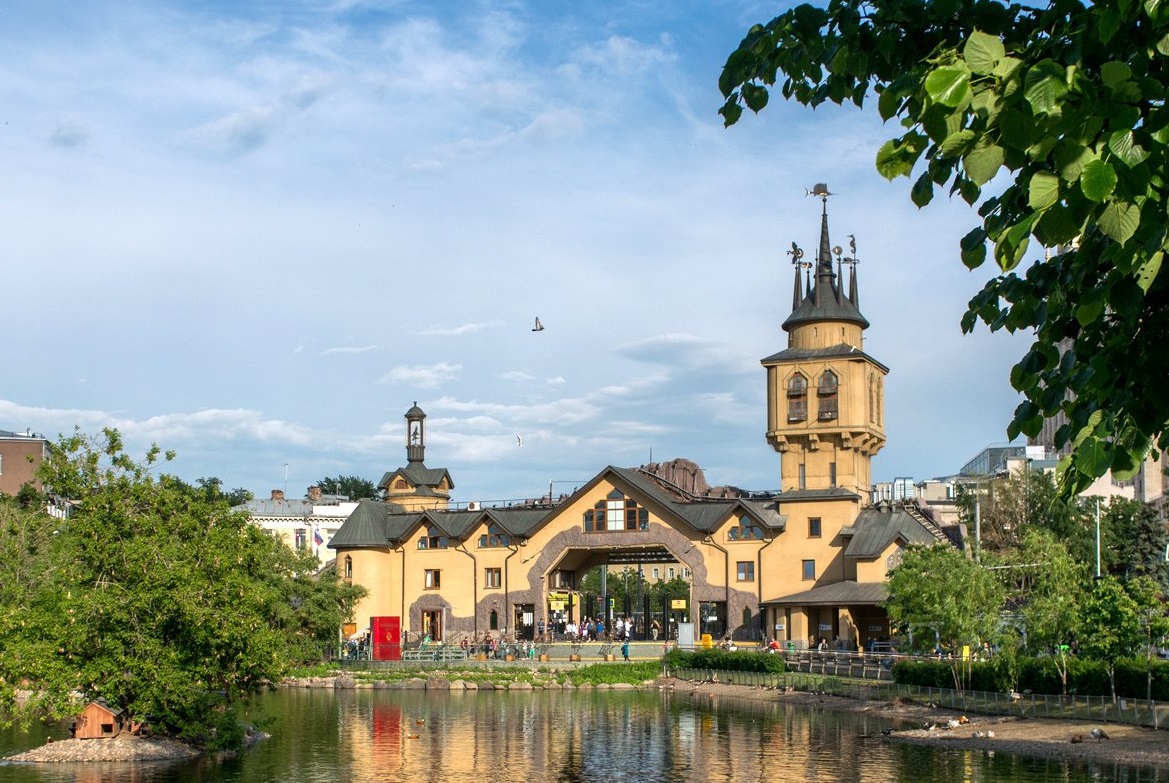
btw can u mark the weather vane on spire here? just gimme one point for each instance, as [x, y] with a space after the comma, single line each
[797, 255]
[819, 189]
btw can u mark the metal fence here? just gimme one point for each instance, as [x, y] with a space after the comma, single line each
[1098, 709]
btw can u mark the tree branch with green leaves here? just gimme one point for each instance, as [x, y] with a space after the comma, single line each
[1052, 123]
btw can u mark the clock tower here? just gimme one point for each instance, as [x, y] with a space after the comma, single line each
[825, 395]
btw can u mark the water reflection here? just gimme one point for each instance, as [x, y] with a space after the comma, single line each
[584, 737]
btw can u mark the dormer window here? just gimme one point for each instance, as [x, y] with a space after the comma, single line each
[433, 539]
[827, 395]
[616, 512]
[494, 537]
[797, 398]
[746, 530]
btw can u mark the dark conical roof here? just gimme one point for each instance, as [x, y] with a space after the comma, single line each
[824, 298]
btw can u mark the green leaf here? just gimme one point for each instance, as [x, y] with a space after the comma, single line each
[1045, 87]
[949, 85]
[1115, 73]
[984, 161]
[1124, 145]
[1088, 312]
[956, 144]
[897, 156]
[983, 52]
[755, 97]
[1158, 11]
[1043, 190]
[974, 248]
[1119, 220]
[1147, 272]
[1097, 180]
[1071, 158]
[1006, 67]
[1093, 456]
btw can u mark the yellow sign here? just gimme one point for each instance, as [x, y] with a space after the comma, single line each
[556, 606]
[557, 596]
[677, 603]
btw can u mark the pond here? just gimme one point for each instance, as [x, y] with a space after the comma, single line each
[322, 736]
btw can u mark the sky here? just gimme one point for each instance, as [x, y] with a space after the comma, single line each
[257, 233]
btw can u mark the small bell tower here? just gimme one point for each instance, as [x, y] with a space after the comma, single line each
[415, 435]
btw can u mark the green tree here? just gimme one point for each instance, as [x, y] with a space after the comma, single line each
[352, 487]
[1048, 590]
[1119, 618]
[1135, 540]
[1067, 102]
[159, 599]
[940, 592]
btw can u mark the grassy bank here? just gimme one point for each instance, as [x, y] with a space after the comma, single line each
[503, 674]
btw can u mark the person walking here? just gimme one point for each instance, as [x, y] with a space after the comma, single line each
[625, 649]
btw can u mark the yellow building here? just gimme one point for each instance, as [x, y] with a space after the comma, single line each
[804, 563]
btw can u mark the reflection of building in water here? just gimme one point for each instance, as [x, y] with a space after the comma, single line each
[805, 562]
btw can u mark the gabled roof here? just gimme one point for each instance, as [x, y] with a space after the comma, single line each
[419, 476]
[836, 594]
[376, 524]
[876, 528]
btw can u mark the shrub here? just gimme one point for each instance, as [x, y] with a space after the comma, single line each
[725, 660]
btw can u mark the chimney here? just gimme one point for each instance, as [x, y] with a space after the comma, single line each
[278, 494]
[314, 494]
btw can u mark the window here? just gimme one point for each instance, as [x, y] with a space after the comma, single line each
[348, 567]
[826, 394]
[685, 573]
[561, 580]
[616, 512]
[492, 577]
[746, 530]
[813, 527]
[797, 398]
[810, 569]
[400, 483]
[745, 570]
[301, 538]
[433, 539]
[433, 579]
[657, 572]
[803, 477]
[670, 571]
[832, 474]
[494, 537]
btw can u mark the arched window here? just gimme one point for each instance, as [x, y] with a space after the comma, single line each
[348, 567]
[616, 512]
[797, 398]
[432, 538]
[827, 395]
[494, 537]
[493, 622]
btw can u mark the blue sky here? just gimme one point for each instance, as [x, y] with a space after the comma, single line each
[257, 233]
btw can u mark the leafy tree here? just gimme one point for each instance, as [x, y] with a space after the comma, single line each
[160, 599]
[1135, 540]
[1025, 500]
[1067, 100]
[352, 487]
[1048, 591]
[938, 590]
[1120, 617]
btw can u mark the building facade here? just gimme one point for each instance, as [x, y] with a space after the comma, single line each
[21, 455]
[804, 563]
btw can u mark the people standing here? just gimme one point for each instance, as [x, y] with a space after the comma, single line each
[625, 649]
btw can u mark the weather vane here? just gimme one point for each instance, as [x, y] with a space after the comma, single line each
[797, 255]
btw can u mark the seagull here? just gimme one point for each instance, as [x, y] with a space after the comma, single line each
[539, 327]
[519, 441]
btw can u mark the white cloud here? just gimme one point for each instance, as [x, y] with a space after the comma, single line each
[349, 349]
[422, 376]
[471, 328]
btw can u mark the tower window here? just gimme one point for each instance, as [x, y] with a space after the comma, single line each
[814, 527]
[827, 396]
[797, 398]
